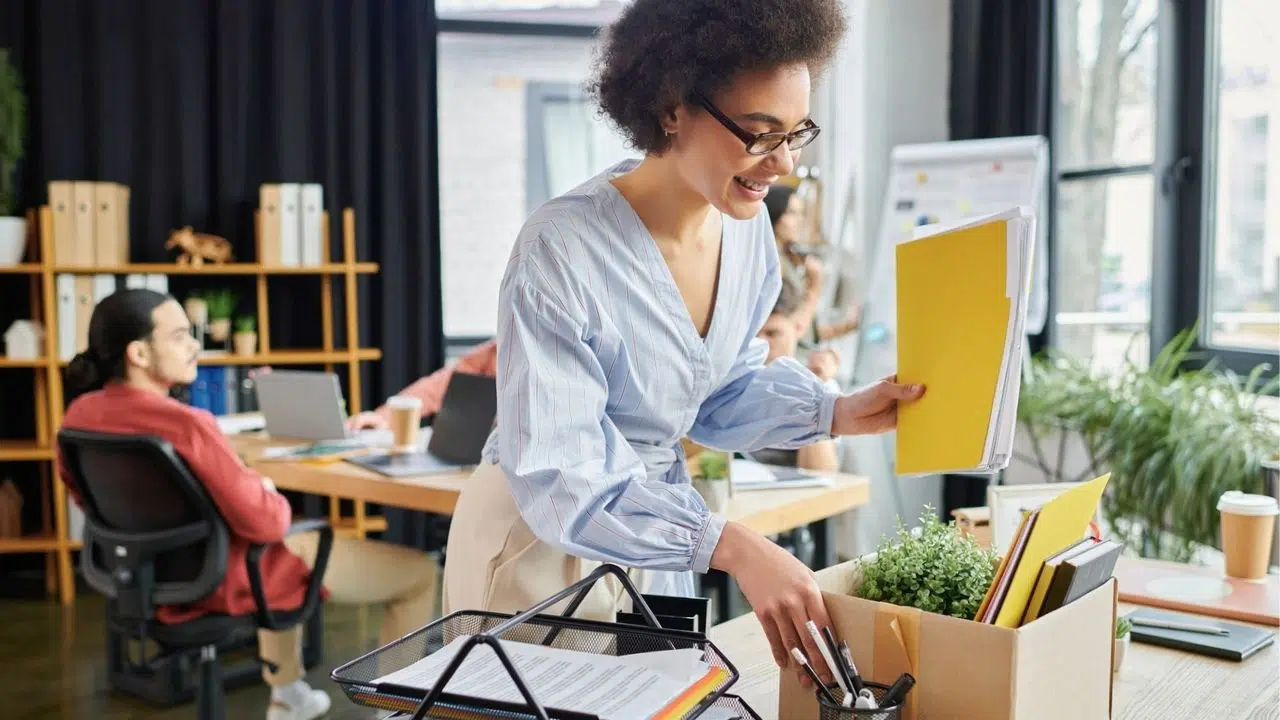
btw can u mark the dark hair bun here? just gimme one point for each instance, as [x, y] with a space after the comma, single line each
[83, 375]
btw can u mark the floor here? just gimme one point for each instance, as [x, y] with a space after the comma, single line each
[53, 665]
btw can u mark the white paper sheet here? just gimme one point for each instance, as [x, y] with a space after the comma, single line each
[611, 687]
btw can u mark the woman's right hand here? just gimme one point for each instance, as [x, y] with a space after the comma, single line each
[782, 591]
[366, 421]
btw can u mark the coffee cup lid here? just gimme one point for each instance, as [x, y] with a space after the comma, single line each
[1238, 503]
[404, 402]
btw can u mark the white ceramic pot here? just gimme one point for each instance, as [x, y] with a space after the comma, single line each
[245, 343]
[714, 492]
[13, 240]
[1122, 645]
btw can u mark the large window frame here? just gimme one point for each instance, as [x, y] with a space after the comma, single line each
[1181, 270]
[456, 344]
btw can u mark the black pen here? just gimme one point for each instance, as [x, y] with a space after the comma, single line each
[813, 675]
[898, 691]
[835, 654]
[855, 680]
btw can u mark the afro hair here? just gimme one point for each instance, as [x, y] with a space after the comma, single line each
[658, 53]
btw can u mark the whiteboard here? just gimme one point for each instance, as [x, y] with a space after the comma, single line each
[945, 182]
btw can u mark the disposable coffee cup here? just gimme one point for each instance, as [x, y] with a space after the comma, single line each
[406, 414]
[1248, 526]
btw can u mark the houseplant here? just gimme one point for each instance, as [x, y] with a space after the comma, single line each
[1174, 439]
[245, 339]
[221, 304]
[1123, 626]
[13, 132]
[709, 471]
[935, 568]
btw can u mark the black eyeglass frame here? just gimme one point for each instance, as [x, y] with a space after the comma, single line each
[808, 133]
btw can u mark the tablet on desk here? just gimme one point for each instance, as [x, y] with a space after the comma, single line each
[409, 464]
[751, 475]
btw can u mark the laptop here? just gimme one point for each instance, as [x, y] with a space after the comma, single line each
[307, 405]
[456, 437]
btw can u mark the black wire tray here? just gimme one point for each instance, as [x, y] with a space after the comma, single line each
[358, 678]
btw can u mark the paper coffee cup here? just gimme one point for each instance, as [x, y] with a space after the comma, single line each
[1248, 526]
[406, 414]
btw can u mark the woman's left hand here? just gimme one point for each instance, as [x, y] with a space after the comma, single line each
[874, 408]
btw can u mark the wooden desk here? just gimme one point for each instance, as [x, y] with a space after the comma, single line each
[765, 511]
[1153, 682]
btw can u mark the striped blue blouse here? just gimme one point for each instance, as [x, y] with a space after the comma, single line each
[601, 372]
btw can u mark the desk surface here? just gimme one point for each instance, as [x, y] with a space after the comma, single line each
[765, 511]
[1153, 682]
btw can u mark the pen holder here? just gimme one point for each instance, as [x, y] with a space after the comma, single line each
[827, 711]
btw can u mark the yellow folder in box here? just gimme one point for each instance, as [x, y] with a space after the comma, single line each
[959, 302]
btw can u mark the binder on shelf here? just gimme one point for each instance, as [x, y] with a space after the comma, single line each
[413, 675]
[962, 307]
[290, 224]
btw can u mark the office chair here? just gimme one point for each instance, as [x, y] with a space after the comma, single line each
[153, 537]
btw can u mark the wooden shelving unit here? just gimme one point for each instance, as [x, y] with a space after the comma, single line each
[52, 540]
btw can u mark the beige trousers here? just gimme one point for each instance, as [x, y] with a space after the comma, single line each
[496, 563]
[359, 572]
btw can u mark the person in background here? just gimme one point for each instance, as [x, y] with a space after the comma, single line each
[140, 348]
[480, 360]
[780, 332]
[803, 271]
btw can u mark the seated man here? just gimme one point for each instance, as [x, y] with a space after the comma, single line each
[480, 360]
[783, 336]
[140, 348]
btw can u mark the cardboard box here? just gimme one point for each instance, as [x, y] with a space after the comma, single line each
[975, 521]
[1058, 666]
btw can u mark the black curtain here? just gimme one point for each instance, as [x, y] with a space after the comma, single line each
[194, 103]
[1002, 68]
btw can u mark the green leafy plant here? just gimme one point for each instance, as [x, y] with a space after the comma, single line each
[246, 324]
[221, 303]
[13, 131]
[934, 568]
[1173, 439]
[1123, 626]
[711, 465]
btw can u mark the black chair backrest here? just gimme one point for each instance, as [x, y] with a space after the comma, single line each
[152, 535]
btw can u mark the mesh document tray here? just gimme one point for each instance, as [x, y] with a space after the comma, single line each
[358, 677]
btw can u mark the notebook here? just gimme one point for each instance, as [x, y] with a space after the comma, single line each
[962, 295]
[1077, 576]
[1238, 644]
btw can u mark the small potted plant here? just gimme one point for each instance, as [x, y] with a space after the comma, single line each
[245, 339]
[1123, 626]
[13, 133]
[709, 471]
[221, 303]
[935, 568]
[197, 310]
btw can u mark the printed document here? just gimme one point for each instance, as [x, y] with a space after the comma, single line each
[631, 686]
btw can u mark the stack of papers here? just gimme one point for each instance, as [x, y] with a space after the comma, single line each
[962, 307]
[655, 686]
[751, 475]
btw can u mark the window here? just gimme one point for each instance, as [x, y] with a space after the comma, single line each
[1241, 308]
[512, 120]
[1104, 148]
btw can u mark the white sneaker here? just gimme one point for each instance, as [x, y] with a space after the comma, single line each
[298, 701]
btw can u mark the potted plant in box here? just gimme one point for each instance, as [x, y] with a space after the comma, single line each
[13, 131]
[245, 339]
[1123, 626]
[221, 304]
[935, 568]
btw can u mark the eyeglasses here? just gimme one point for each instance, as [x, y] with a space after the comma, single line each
[763, 143]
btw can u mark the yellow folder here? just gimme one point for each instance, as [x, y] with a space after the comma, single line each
[953, 322]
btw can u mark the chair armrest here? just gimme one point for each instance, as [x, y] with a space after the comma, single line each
[267, 620]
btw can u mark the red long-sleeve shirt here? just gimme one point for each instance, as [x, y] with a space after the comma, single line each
[253, 513]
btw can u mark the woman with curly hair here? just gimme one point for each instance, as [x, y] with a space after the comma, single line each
[628, 319]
